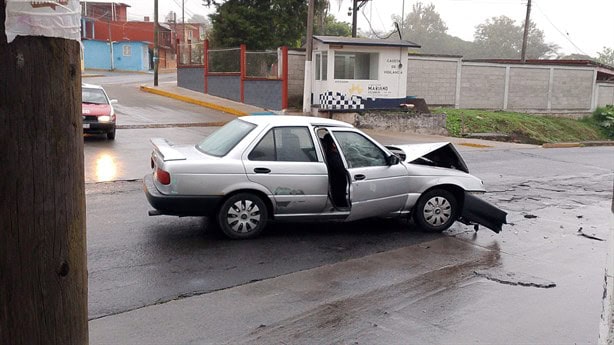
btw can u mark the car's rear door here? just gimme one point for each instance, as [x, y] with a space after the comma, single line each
[377, 187]
[287, 163]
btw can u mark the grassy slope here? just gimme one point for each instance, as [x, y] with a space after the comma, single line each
[521, 127]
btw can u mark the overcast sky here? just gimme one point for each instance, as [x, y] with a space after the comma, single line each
[582, 27]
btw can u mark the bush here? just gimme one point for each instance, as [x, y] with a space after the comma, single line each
[604, 116]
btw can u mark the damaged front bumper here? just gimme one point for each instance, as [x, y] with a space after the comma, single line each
[477, 211]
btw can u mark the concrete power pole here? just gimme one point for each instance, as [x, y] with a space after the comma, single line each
[525, 36]
[43, 273]
[308, 70]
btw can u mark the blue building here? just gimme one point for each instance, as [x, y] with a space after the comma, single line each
[127, 55]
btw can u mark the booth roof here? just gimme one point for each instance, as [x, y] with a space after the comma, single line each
[354, 41]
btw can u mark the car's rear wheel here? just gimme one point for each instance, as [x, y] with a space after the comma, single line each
[111, 134]
[242, 216]
[436, 210]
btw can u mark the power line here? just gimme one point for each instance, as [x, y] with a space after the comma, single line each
[557, 29]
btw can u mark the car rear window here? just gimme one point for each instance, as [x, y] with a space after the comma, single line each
[220, 142]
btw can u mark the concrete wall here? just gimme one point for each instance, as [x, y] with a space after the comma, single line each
[434, 124]
[433, 79]
[528, 88]
[296, 76]
[263, 93]
[96, 55]
[225, 86]
[192, 78]
[543, 88]
[131, 56]
[482, 87]
[605, 94]
[572, 89]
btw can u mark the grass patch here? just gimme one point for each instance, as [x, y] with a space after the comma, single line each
[521, 127]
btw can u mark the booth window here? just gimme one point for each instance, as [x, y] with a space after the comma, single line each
[353, 65]
[321, 66]
[127, 50]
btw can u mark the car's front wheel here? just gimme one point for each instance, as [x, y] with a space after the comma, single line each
[111, 134]
[436, 210]
[242, 216]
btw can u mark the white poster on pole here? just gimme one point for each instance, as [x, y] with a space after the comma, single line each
[60, 18]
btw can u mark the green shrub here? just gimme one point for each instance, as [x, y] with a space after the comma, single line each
[604, 116]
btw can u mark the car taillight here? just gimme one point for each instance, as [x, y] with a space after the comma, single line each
[163, 176]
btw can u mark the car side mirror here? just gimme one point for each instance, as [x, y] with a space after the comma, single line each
[393, 160]
[114, 101]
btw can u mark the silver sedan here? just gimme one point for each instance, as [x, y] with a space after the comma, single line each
[261, 168]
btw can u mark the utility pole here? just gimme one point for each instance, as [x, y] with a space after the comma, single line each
[525, 36]
[356, 5]
[156, 43]
[43, 265]
[309, 49]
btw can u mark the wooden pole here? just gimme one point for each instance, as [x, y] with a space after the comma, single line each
[43, 273]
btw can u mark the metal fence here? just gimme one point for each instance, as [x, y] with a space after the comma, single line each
[224, 60]
[258, 64]
[191, 53]
[263, 64]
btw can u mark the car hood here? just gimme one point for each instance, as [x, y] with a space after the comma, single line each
[95, 109]
[433, 154]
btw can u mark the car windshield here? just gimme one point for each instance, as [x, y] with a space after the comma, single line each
[93, 96]
[220, 142]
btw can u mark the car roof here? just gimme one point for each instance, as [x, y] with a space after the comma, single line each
[91, 86]
[293, 120]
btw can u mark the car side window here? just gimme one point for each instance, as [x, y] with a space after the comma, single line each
[285, 144]
[360, 151]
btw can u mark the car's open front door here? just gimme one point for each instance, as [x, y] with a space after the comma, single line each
[378, 184]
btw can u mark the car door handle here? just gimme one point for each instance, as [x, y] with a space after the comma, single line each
[262, 170]
[359, 177]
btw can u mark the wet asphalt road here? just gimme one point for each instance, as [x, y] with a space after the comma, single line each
[550, 194]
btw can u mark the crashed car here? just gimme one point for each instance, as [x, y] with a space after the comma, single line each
[256, 169]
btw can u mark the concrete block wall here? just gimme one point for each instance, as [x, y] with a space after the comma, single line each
[296, 74]
[605, 94]
[263, 93]
[572, 89]
[528, 88]
[433, 80]
[482, 87]
[192, 78]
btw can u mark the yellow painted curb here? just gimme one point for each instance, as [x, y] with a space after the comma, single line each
[193, 101]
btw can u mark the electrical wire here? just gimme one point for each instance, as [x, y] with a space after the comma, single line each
[373, 31]
[557, 29]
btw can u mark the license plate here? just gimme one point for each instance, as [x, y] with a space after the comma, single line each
[86, 125]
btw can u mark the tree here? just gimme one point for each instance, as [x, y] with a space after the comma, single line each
[263, 24]
[500, 37]
[423, 25]
[606, 56]
[43, 298]
[332, 27]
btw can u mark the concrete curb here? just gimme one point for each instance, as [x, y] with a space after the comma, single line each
[193, 101]
[578, 144]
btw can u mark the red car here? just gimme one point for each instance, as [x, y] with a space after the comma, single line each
[97, 110]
